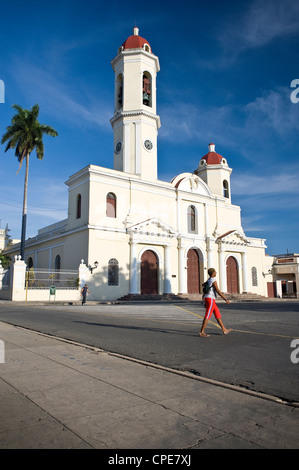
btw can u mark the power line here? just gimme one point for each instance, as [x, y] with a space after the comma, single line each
[33, 210]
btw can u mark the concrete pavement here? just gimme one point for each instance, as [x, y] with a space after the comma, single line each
[60, 395]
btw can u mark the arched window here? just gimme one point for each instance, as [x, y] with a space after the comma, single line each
[57, 263]
[78, 207]
[225, 189]
[111, 205]
[113, 270]
[147, 89]
[254, 276]
[119, 92]
[191, 219]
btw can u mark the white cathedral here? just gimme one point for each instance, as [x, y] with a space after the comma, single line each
[149, 236]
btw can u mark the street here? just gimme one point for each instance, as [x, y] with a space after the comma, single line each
[256, 355]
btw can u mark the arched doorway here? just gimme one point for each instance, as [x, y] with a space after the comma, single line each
[193, 281]
[149, 273]
[232, 275]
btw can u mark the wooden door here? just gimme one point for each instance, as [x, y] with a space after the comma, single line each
[271, 289]
[232, 275]
[149, 273]
[193, 272]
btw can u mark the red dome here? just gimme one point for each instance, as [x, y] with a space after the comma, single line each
[212, 158]
[135, 41]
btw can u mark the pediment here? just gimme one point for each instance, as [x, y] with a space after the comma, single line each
[191, 183]
[233, 237]
[152, 228]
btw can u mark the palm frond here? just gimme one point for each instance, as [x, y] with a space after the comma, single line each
[26, 133]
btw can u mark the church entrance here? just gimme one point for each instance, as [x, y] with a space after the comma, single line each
[193, 282]
[232, 275]
[149, 273]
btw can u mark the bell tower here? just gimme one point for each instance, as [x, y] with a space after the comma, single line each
[135, 122]
[214, 170]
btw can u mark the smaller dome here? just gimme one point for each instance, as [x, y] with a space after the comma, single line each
[213, 158]
[136, 42]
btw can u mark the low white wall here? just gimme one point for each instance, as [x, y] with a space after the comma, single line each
[5, 294]
[61, 295]
[18, 293]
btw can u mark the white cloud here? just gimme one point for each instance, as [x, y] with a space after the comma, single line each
[263, 22]
[282, 184]
[196, 123]
[67, 101]
[274, 111]
[252, 129]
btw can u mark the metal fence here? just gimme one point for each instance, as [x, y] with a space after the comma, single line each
[44, 279]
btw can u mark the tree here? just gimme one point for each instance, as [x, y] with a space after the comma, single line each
[4, 260]
[26, 134]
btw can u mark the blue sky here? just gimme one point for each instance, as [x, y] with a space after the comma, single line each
[226, 73]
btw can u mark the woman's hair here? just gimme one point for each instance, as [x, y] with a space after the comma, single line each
[211, 271]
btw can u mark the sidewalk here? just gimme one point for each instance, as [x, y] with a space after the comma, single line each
[59, 395]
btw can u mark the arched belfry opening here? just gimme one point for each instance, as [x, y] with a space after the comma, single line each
[119, 92]
[147, 89]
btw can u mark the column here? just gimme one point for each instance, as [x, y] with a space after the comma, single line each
[83, 273]
[178, 205]
[18, 279]
[222, 270]
[133, 269]
[126, 148]
[137, 148]
[210, 258]
[182, 270]
[167, 270]
[244, 273]
[209, 253]
[206, 221]
[50, 258]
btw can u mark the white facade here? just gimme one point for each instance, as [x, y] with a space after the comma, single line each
[149, 236]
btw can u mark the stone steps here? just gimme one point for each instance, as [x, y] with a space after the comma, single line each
[188, 297]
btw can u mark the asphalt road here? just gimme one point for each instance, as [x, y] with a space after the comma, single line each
[255, 355]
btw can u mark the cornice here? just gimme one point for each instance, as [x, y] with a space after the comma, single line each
[138, 112]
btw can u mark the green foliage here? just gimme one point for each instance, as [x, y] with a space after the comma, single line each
[26, 133]
[5, 260]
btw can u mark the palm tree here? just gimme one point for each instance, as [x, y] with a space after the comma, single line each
[26, 134]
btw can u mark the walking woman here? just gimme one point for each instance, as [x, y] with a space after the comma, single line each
[210, 304]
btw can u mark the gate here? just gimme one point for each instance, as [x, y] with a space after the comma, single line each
[44, 279]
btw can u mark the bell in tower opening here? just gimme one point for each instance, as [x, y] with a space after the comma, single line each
[147, 89]
[119, 92]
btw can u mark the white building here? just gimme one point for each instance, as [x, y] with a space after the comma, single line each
[150, 236]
